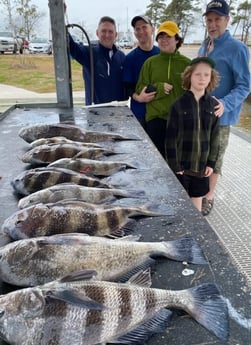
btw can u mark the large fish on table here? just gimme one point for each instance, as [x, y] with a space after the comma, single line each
[73, 216]
[36, 261]
[61, 191]
[91, 167]
[69, 131]
[32, 180]
[90, 312]
[45, 154]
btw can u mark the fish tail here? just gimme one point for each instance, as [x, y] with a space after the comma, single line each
[209, 309]
[155, 210]
[184, 249]
[133, 193]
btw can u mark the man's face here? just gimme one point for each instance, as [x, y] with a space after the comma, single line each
[143, 31]
[106, 33]
[216, 24]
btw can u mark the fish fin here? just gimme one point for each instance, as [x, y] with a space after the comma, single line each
[209, 309]
[121, 137]
[56, 196]
[124, 230]
[4, 239]
[143, 332]
[107, 201]
[132, 166]
[73, 297]
[148, 263]
[185, 249]
[70, 234]
[129, 238]
[78, 276]
[59, 239]
[141, 278]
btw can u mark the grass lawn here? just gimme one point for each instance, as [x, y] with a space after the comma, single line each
[35, 72]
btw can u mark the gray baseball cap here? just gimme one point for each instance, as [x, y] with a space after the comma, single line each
[141, 17]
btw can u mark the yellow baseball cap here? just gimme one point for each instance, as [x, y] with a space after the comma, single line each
[169, 28]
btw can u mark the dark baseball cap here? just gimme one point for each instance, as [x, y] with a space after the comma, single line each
[204, 59]
[144, 18]
[220, 7]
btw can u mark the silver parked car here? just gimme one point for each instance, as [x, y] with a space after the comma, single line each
[40, 45]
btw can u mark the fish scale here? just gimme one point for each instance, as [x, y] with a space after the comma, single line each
[109, 318]
[123, 310]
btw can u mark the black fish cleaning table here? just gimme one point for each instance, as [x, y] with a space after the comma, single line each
[161, 188]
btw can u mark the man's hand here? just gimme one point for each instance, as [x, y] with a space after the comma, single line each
[219, 108]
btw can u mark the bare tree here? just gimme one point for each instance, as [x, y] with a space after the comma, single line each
[9, 9]
[22, 16]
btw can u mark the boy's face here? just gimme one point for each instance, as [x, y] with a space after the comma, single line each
[106, 33]
[201, 77]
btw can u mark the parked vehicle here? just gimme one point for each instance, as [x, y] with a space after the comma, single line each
[40, 45]
[25, 43]
[126, 44]
[10, 43]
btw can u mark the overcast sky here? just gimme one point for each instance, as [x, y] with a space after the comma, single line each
[88, 14]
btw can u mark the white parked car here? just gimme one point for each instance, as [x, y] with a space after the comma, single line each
[40, 45]
[126, 44]
[10, 43]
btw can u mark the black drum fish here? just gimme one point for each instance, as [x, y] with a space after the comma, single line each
[74, 216]
[33, 180]
[69, 131]
[61, 191]
[80, 310]
[36, 261]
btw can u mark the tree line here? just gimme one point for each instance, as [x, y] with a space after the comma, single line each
[23, 17]
[188, 15]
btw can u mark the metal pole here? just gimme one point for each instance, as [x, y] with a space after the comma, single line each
[61, 57]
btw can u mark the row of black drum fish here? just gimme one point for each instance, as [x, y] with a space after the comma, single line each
[84, 280]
